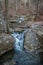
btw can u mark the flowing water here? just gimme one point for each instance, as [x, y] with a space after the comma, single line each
[18, 45]
[20, 56]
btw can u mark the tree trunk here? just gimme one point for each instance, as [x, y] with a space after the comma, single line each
[37, 8]
[6, 14]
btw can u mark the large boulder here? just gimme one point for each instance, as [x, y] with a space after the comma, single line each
[6, 43]
[37, 27]
[31, 41]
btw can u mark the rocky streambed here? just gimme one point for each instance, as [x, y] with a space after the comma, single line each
[27, 49]
[21, 58]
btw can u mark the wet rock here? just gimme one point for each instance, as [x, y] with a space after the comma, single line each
[12, 62]
[16, 29]
[19, 29]
[6, 43]
[41, 57]
[31, 41]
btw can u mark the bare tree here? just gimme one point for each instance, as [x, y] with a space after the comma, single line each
[37, 8]
[6, 14]
[3, 22]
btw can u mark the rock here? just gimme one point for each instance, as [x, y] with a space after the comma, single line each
[16, 29]
[12, 62]
[41, 57]
[6, 43]
[38, 28]
[41, 42]
[31, 41]
[19, 29]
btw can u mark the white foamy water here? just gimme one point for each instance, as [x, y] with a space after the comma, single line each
[18, 45]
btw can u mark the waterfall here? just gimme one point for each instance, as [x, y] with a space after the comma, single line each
[18, 45]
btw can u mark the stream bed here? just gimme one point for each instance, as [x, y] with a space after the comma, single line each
[20, 56]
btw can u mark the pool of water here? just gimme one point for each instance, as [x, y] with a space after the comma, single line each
[21, 58]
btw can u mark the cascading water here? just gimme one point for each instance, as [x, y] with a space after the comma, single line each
[18, 45]
[20, 56]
